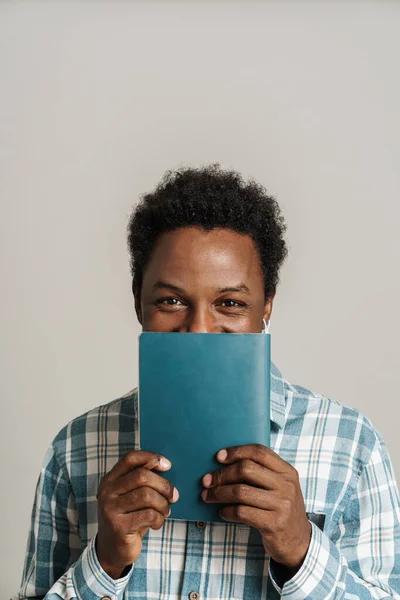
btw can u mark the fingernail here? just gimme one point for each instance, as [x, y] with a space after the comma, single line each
[165, 463]
[175, 495]
[207, 479]
[222, 455]
[204, 494]
[169, 513]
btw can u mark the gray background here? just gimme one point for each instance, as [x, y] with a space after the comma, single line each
[97, 101]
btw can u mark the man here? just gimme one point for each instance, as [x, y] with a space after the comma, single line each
[316, 516]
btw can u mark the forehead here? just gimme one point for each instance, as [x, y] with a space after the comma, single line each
[191, 254]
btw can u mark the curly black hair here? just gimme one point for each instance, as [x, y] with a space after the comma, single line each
[208, 197]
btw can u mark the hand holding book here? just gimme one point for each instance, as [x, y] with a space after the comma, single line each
[131, 499]
[260, 489]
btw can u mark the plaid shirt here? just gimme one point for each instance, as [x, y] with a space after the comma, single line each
[349, 491]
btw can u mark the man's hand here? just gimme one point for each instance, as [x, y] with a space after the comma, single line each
[131, 500]
[262, 490]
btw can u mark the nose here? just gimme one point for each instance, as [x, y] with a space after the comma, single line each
[201, 321]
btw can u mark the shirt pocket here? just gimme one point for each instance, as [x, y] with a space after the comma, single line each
[318, 518]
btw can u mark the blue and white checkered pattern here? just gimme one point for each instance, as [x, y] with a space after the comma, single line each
[345, 473]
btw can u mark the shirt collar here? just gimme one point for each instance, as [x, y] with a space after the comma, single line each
[278, 401]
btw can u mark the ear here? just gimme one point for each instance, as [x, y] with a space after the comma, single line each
[268, 307]
[138, 304]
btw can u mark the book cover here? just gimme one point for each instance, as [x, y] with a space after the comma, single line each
[199, 393]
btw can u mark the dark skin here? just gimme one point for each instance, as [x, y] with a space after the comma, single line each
[209, 282]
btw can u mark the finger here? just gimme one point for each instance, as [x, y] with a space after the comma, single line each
[135, 459]
[246, 471]
[258, 453]
[241, 493]
[144, 497]
[141, 519]
[143, 478]
[255, 517]
[152, 463]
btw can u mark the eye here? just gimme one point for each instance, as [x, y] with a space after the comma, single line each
[233, 304]
[230, 303]
[170, 301]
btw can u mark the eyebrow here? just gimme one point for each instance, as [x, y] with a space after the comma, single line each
[237, 288]
[163, 284]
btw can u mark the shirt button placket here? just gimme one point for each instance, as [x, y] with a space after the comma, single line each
[193, 577]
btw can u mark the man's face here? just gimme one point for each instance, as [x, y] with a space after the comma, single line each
[203, 282]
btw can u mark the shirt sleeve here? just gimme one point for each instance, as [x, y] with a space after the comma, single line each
[56, 566]
[364, 562]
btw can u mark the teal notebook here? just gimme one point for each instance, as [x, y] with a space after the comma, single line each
[199, 393]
